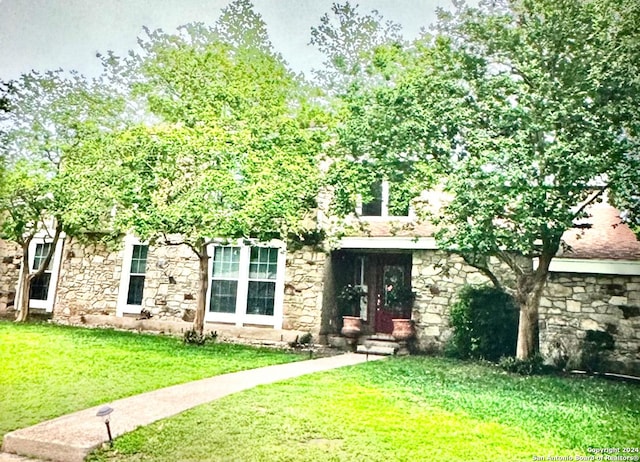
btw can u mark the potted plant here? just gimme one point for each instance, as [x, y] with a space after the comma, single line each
[349, 299]
[399, 301]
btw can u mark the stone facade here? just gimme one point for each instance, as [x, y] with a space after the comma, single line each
[436, 290]
[10, 262]
[576, 303]
[306, 272]
[571, 305]
[90, 275]
[86, 282]
[89, 284]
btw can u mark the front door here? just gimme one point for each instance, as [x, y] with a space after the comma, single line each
[386, 271]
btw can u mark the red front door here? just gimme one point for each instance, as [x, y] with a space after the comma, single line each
[385, 270]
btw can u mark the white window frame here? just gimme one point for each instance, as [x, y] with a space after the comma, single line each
[240, 317]
[42, 238]
[122, 307]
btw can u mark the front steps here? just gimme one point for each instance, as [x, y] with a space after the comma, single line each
[379, 344]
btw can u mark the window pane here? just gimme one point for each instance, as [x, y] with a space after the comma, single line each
[373, 208]
[264, 263]
[261, 297]
[40, 287]
[139, 259]
[42, 250]
[223, 296]
[136, 288]
[226, 262]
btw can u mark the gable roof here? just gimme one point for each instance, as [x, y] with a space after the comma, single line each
[607, 238]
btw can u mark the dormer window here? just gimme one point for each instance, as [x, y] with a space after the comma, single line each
[384, 201]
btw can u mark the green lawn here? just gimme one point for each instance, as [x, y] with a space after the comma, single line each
[48, 370]
[413, 409]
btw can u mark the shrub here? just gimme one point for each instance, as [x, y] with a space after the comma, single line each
[532, 366]
[485, 324]
[595, 347]
[192, 337]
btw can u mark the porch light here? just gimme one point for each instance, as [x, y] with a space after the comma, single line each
[105, 413]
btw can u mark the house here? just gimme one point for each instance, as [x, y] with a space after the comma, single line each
[268, 291]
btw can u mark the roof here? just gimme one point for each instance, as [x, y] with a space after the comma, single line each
[607, 238]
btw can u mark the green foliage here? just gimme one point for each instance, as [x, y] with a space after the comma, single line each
[416, 408]
[102, 365]
[349, 299]
[485, 324]
[530, 366]
[193, 337]
[595, 347]
[349, 41]
[523, 112]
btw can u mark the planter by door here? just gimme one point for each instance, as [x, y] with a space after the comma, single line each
[403, 329]
[351, 326]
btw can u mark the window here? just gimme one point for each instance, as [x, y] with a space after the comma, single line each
[40, 284]
[373, 208]
[43, 287]
[247, 285]
[262, 276]
[385, 201]
[137, 274]
[133, 277]
[224, 283]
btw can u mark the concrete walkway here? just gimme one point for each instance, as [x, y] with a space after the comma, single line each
[71, 437]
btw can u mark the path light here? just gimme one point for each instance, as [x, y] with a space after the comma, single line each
[105, 413]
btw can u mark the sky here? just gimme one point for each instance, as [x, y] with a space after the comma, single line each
[51, 34]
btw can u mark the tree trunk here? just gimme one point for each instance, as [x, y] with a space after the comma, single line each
[27, 276]
[198, 322]
[24, 286]
[529, 291]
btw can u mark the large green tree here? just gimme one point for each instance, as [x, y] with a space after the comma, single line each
[49, 116]
[530, 110]
[230, 147]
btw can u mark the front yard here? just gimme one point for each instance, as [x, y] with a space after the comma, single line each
[48, 370]
[417, 408]
[413, 409]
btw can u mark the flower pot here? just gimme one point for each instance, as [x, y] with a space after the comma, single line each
[351, 326]
[403, 329]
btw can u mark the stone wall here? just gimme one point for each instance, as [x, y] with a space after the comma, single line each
[306, 272]
[436, 290]
[89, 282]
[10, 261]
[573, 304]
[90, 275]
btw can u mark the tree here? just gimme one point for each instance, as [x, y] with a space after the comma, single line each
[349, 39]
[48, 117]
[531, 112]
[229, 149]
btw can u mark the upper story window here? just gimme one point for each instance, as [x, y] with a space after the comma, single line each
[385, 200]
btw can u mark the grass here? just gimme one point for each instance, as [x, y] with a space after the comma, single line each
[414, 409]
[48, 370]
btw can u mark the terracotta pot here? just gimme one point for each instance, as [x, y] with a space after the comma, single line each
[403, 329]
[351, 326]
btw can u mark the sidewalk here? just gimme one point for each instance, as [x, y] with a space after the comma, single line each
[71, 437]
